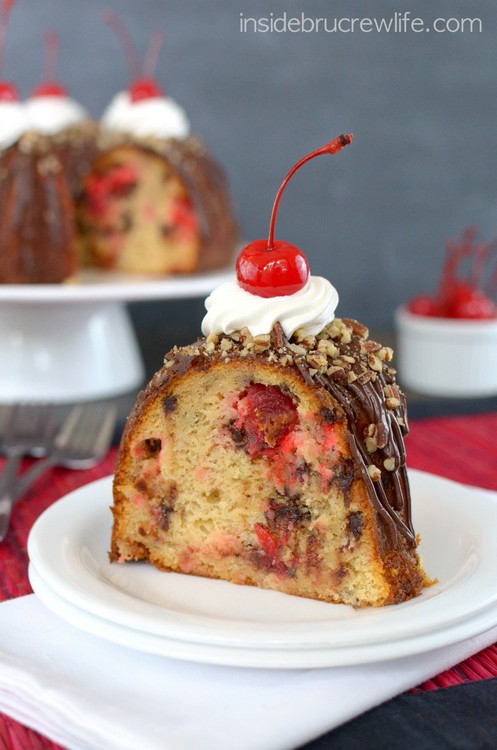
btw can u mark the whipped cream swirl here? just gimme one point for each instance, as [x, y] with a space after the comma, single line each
[51, 114]
[13, 122]
[159, 116]
[230, 308]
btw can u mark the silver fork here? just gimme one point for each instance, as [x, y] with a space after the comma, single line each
[81, 442]
[25, 429]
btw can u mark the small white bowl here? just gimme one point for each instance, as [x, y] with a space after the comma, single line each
[446, 357]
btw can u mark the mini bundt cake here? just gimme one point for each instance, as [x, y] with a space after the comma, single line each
[274, 463]
[47, 145]
[155, 206]
[155, 201]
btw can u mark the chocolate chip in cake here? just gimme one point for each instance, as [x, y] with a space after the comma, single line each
[328, 415]
[239, 436]
[126, 222]
[151, 447]
[167, 230]
[343, 477]
[169, 404]
[167, 505]
[355, 523]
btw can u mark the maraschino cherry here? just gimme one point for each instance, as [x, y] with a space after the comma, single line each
[457, 297]
[274, 268]
[8, 92]
[143, 84]
[49, 85]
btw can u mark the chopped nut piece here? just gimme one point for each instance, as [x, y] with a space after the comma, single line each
[316, 360]
[350, 360]
[327, 347]
[392, 403]
[351, 376]
[212, 338]
[337, 373]
[365, 377]
[346, 336]
[389, 464]
[298, 350]
[312, 372]
[356, 327]
[226, 345]
[374, 472]
[372, 346]
[210, 346]
[391, 391]
[261, 343]
[375, 363]
[246, 335]
[299, 335]
[371, 445]
[385, 354]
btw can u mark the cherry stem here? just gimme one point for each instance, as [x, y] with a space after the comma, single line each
[333, 147]
[51, 57]
[7, 6]
[112, 19]
[152, 55]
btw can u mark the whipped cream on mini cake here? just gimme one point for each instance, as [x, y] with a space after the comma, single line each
[13, 122]
[51, 114]
[230, 308]
[158, 116]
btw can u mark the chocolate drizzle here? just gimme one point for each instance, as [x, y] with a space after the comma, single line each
[365, 404]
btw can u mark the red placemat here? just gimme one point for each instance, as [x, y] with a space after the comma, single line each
[460, 448]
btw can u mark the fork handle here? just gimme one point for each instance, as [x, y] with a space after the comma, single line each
[24, 482]
[7, 482]
[6, 503]
[9, 472]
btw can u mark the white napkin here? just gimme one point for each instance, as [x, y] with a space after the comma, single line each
[88, 694]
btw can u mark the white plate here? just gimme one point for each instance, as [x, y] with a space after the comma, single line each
[111, 286]
[68, 549]
[256, 658]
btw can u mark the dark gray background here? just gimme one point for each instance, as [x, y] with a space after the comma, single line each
[374, 219]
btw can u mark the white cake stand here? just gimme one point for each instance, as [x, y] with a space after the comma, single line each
[74, 342]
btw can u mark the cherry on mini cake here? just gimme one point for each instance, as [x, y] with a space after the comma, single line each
[55, 114]
[270, 452]
[448, 340]
[155, 201]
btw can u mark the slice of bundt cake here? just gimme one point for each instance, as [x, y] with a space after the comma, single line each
[274, 463]
[271, 451]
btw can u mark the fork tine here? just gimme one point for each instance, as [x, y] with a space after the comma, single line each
[106, 431]
[96, 424]
[69, 425]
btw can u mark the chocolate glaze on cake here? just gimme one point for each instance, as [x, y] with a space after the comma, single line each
[37, 231]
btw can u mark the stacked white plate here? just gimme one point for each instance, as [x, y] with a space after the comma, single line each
[210, 621]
